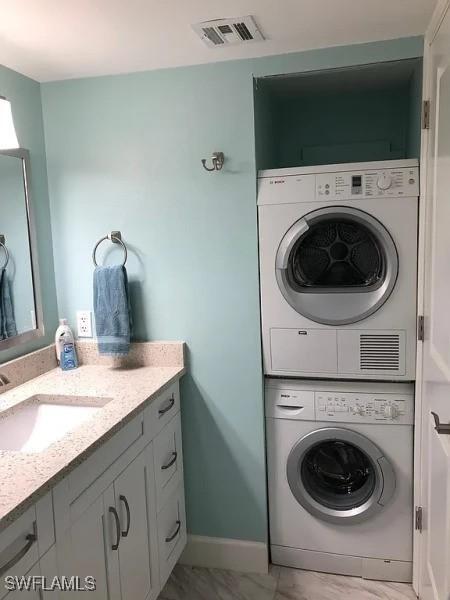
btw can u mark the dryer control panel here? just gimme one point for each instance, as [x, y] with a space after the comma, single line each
[368, 184]
[368, 408]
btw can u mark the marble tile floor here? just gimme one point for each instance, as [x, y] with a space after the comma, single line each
[193, 583]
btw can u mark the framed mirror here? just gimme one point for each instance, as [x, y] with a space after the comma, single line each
[21, 317]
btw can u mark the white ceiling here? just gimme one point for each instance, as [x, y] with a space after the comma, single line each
[61, 39]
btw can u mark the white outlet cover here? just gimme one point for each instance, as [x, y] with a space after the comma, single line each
[84, 323]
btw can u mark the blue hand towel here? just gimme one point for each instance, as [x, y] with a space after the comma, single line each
[7, 322]
[112, 310]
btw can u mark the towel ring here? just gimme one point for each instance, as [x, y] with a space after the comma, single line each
[116, 238]
[5, 250]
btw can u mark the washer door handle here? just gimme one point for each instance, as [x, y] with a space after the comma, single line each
[389, 483]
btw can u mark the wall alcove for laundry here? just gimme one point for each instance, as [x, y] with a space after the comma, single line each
[362, 113]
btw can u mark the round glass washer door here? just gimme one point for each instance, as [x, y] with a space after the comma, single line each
[339, 475]
[336, 265]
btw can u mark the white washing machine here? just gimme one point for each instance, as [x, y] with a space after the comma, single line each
[338, 263]
[340, 476]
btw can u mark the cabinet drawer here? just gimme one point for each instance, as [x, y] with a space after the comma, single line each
[18, 548]
[161, 410]
[168, 459]
[171, 534]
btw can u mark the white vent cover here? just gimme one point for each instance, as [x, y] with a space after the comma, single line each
[380, 352]
[228, 32]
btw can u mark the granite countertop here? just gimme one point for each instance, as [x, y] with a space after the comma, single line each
[128, 389]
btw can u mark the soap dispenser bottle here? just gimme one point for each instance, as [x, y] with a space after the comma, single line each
[65, 346]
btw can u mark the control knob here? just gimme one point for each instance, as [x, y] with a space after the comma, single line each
[391, 411]
[357, 410]
[384, 181]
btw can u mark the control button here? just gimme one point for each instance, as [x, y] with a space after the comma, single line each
[411, 181]
[384, 181]
[391, 411]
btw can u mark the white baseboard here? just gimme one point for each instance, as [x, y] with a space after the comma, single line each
[223, 553]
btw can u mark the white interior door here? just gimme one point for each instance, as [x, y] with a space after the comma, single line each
[434, 580]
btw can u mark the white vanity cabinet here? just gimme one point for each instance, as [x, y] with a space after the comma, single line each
[119, 516]
[113, 538]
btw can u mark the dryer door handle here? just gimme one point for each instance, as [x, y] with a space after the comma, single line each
[288, 242]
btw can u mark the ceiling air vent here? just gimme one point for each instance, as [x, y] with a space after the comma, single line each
[228, 32]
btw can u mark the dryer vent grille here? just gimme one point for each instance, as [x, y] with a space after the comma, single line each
[379, 352]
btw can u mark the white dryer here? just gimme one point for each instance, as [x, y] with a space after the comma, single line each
[340, 476]
[338, 263]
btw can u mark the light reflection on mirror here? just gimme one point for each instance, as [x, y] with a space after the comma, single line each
[17, 293]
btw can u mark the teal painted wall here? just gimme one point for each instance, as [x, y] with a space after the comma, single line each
[349, 127]
[25, 97]
[415, 108]
[335, 120]
[124, 153]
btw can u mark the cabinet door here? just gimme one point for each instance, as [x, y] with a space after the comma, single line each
[49, 570]
[87, 551]
[135, 502]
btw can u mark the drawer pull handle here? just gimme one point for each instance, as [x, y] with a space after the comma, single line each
[174, 534]
[162, 411]
[127, 508]
[113, 511]
[171, 461]
[30, 539]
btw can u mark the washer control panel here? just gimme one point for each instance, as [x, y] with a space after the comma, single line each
[369, 408]
[368, 184]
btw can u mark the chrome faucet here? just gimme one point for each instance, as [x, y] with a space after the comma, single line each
[3, 380]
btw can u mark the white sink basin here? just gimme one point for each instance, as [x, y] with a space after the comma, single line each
[39, 421]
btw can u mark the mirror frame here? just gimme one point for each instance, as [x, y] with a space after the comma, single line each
[38, 332]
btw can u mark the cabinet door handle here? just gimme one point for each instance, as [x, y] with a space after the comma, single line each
[175, 533]
[113, 511]
[443, 428]
[30, 539]
[127, 508]
[162, 411]
[171, 461]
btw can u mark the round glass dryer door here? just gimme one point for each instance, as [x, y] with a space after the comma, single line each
[339, 475]
[336, 265]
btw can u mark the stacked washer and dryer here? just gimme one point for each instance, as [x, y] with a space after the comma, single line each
[338, 264]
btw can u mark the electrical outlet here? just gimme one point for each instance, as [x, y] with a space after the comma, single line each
[84, 323]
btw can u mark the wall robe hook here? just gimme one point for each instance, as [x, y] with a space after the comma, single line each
[217, 160]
